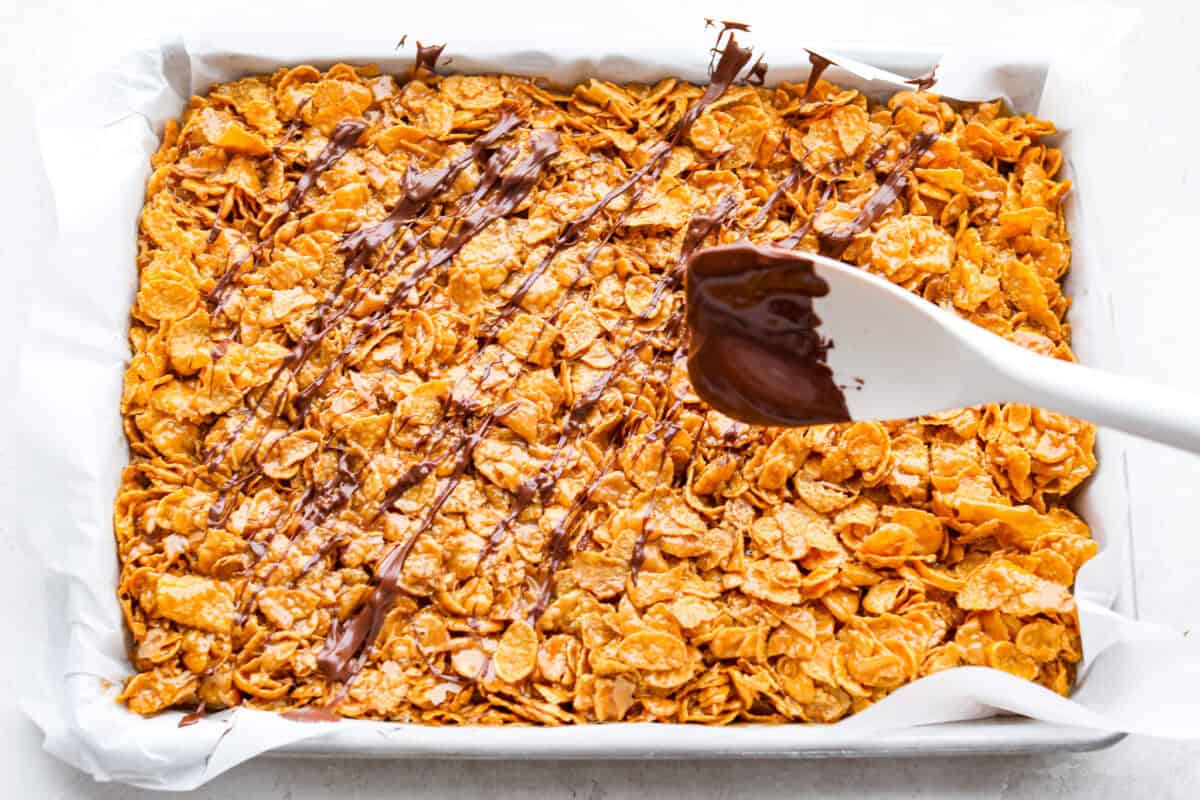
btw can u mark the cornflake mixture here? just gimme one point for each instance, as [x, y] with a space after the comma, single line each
[412, 438]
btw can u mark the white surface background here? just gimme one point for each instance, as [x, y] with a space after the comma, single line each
[1133, 104]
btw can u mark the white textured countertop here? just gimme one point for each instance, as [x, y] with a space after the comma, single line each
[1133, 105]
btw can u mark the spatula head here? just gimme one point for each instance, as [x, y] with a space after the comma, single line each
[754, 351]
[785, 337]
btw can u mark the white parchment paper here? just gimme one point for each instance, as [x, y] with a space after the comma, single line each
[96, 144]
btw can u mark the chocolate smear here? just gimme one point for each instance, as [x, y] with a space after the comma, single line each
[755, 353]
[311, 714]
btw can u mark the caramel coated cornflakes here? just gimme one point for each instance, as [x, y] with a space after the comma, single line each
[411, 436]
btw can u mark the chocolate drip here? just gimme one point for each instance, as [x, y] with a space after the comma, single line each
[344, 137]
[700, 226]
[220, 510]
[835, 240]
[437, 673]
[758, 73]
[732, 59]
[924, 83]
[412, 475]
[783, 187]
[556, 551]
[756, 354]
[191, 719]
[427, 57]
[819, 65]
[291, 130]
[331, 498]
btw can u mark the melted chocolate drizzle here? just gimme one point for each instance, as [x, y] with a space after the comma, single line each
[819, 65]
[796, 236]
[730, 62]
[317, 505]
[758, 73]
[420, 190]
[331, 498]
[667, 429]
[347, 646]
[924, 83]
[755, 351]
[783, 187]
[700, 226]
[192, 718]
[344, 137]
[877, 155]
[835, 240]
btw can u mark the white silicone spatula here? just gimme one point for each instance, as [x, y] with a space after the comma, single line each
[898, 356]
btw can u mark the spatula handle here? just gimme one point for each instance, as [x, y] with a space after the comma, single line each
[1104, 398]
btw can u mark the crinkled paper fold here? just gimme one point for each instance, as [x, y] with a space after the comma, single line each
[96, 143]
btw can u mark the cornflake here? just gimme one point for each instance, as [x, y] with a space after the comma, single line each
[411, 436]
